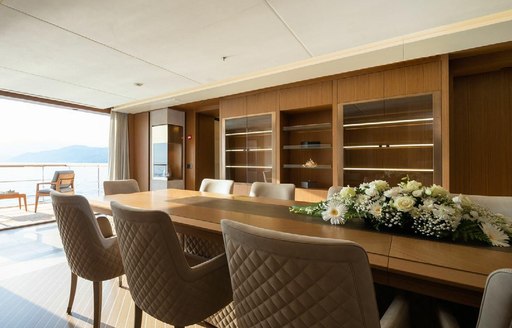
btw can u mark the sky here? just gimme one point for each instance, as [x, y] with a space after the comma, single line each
[27, 127]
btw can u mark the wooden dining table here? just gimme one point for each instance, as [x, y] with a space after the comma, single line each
[445, 270]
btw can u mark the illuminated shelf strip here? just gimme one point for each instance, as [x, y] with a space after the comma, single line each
[385, 169]
[388, 122]
[299, 166]
[247, 167]
[250, 149]
[248, 133]
[318, 126]
[312, 146]
[389, 146]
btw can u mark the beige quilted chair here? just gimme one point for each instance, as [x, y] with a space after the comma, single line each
[114, 187]
[497, 204]
[91, 249]
[217, 186]
[496, 308]
[162, 283]
[273, 190]
[285, 280]
[332, 190]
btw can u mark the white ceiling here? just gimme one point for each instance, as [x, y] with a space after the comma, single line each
[92, 52]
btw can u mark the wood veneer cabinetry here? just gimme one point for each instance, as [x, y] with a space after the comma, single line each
[307, 135]
[389, 139]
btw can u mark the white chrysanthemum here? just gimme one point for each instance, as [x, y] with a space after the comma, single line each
[335, 213]
[443, 212]
[437, 191]
[495, 235]
[376, 210]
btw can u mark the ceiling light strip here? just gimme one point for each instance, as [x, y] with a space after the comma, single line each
[389, 122]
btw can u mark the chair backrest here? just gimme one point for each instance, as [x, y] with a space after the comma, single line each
[63, 181]
[161, 282]
[332, 190]
[89, 254]
[113, 187]
[273, 190]
[497, 204]
[217, 186]
[496, 308]
[280, 279]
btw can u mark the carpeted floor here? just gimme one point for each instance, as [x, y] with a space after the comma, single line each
[13, 217]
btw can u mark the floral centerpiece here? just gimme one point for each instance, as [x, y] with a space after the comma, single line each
[413, 208]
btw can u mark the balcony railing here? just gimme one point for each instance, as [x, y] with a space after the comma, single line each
[23, 178]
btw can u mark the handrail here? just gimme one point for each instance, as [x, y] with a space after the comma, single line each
[23, 177]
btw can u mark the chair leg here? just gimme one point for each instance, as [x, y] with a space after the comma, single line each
[138, 317]
[72, 292]
[37, 201]
[121, 281]
[97, 303]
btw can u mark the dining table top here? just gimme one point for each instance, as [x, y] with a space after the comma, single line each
[442, 264]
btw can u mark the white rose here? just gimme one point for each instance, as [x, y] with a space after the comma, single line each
[380, 185]
[371, 192]
[412, 185]
[393, 192]
[404, 203]
[417, 193]
[438, 191]
[347, 192]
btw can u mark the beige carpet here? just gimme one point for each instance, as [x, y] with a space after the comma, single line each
[13, 217]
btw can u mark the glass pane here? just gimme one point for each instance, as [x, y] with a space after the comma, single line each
[159, 150]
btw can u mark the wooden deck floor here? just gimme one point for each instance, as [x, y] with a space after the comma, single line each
[34, 286]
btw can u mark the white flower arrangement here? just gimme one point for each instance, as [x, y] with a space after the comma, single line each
[411, 207]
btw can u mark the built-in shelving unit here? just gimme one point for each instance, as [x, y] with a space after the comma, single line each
[389, 139]
[248, 148]
[306, 136]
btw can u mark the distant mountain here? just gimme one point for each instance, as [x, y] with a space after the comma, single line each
[71, 154]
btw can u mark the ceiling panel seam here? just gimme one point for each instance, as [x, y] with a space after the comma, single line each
[66, 82]
[101, 43]
[289, 28]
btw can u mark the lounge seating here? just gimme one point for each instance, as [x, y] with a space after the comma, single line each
[273, 190]
[62, 181]
[113, 187]
[217, 186]
[90, 247]
[162, 283]
[286, 280]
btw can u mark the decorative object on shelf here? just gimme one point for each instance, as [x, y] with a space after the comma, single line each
[309, 184]
[310, 164]
[310, 144]
[413, 208]
[8, 192]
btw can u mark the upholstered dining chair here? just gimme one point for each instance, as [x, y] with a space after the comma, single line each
[91, 249]
[286, 280]
[113, 187]
[273, 190]
[497, 204]
[162, 282]
[217, 186]
[496, 307]
[332, 190]
[62, 181]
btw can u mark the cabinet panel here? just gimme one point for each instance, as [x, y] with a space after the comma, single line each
[361, 87]
[263, 102]
[233, 107]
[412, 79]
[310, 95]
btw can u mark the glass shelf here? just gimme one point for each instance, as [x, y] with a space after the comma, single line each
[247, 167]
[265, 132]
[389, 146]
[313, 146]
[299, 166]
[386, 169]
[248, 149]
[317, 126]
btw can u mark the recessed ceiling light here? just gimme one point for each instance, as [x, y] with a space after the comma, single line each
[138, 84]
